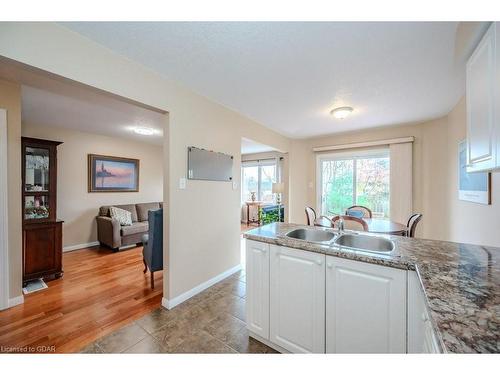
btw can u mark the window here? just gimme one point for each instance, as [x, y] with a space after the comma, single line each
[348, 179]
[258, 177]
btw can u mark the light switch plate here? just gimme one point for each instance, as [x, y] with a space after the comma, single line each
[235, 185]
[182, 183]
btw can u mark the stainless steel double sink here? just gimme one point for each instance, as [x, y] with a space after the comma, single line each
[352, 240]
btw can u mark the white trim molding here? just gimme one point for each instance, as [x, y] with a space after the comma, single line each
[170, 304]
[381, 142]
[4, 222]
[16, 301]
[80, 246]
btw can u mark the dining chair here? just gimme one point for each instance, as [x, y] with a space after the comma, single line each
[359, 211]
[152, 252]
[310, 215]
[412, 224]
[323, 221]
[352, 222]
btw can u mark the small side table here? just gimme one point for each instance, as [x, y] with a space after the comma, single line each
[252, 204]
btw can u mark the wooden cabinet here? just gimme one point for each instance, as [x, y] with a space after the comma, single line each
[42, 232]
[297, 300]
[483, 103]
[421, 336]
[257, 281]
[42, 255]
[365, 307]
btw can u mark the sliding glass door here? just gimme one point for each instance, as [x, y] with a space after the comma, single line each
[348, 179]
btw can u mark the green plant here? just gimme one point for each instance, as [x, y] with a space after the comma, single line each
[268, 217]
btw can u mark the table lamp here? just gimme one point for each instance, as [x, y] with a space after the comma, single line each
[278, 189]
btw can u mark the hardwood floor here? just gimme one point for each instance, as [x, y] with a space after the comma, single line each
[245, 227]
[100, 292]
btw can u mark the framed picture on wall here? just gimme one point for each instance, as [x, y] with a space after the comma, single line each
[112, 174]
[472, 187]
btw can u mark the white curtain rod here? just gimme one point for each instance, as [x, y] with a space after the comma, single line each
[364, 144]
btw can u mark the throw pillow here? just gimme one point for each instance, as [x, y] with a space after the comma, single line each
[124, 217]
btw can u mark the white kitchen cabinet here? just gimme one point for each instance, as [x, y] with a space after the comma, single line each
[421, 336]
[297, 300]
[483, 103]
[365, 307]
[257, 294]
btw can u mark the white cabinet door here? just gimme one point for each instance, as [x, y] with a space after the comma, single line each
[297, 300]
[365, 307]
[480, 101]
[257, 294]
[421, 337]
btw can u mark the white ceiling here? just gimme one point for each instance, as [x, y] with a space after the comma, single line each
[85, 110]
[251, 147]
[288, 76]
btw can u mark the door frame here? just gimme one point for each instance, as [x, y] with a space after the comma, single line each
[4, 223]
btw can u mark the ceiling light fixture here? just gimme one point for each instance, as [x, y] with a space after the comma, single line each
[341, 112]
[144, 131]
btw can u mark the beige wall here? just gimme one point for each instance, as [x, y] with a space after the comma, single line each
[469, 222]
[75, 205]
[208, 209]
[10, 99]
[202, 221]
[429, 169]
[435, 181]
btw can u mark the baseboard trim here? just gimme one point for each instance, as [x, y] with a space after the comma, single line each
[79, 246]
[16, 301]
[170, 304]
[267, 342]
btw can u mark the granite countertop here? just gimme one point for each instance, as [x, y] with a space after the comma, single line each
[461, 282]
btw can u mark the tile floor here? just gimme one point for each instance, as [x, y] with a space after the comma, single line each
[210, 322]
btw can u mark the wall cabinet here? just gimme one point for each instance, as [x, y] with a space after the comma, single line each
[421, 337]
[297, 300]
[257, 281]
[483, 103]
[365, 307]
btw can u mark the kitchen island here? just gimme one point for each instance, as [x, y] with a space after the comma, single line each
[460, 283]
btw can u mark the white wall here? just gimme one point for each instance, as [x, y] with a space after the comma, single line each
[202, 222]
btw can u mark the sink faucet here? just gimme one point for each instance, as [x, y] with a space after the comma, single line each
[340, 225]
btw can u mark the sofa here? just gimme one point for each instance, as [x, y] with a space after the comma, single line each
[111, 234]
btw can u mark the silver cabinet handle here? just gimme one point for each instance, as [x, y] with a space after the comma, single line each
[319, 262]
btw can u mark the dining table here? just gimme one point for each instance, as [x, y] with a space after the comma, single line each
[385, 226]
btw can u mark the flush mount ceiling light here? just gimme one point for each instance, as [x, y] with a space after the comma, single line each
[341, 112]
[144, 131]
